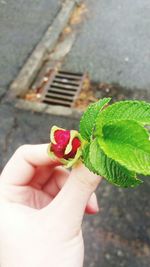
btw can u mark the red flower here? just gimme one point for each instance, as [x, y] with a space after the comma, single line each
[62, 139]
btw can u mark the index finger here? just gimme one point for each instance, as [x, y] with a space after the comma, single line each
[21, 167]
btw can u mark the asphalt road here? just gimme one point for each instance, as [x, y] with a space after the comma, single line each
[113, 44]
[22, 25]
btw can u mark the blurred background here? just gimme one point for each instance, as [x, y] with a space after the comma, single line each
[56, 57]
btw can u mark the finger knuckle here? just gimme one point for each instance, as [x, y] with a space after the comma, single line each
[22, 148]
[88, 182]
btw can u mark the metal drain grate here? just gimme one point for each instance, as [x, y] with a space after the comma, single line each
[62, 88]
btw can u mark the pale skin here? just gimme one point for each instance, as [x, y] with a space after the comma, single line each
[41, 210]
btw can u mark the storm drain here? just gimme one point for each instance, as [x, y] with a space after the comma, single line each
[62, 88]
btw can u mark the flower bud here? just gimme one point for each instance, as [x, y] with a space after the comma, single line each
[65, 145]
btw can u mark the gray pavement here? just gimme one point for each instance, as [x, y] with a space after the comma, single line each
[113, 43]
[22, 25]
[119, 236]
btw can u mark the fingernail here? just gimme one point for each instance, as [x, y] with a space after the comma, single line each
[93, 203]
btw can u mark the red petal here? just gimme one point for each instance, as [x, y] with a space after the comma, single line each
[75, 145]
[58, 150]
[62, 137]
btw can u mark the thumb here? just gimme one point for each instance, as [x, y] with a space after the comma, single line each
[71, 201]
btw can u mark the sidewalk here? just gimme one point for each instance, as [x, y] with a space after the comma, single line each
[113, 44]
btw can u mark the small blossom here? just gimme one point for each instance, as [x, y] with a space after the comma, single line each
[65, 145]
[62, 138]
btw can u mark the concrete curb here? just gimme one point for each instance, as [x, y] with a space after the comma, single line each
[47, 109]
[29, 71]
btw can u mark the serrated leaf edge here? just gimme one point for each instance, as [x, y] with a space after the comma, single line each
[90, 107]
[121, 162]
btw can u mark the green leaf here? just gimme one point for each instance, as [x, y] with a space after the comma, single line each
[87, 122]
[126, 110]
[127, 142]
[110, 169]
[86, 159]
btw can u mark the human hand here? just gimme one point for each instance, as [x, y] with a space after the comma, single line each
[41, 210]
